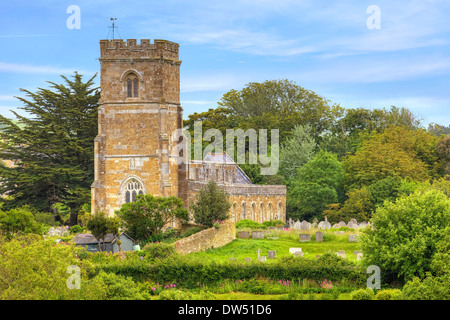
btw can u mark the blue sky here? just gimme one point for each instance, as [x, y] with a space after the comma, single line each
[324, 46]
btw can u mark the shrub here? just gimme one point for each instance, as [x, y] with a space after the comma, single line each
[212, 204]
[362, 294]
[118, 287]
[158, 251]
[430, 288]
[19, 221]
[406, 234]
[389, 294]
[246, 223]
[273, 223]
[76, 229]
[192, 231]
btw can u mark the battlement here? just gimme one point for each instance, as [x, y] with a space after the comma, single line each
[119, 48]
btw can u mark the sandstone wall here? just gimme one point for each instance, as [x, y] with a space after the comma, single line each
[207, 239]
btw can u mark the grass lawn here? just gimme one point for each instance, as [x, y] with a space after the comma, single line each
[243, 248]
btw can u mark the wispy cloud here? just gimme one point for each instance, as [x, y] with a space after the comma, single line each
[31, 69]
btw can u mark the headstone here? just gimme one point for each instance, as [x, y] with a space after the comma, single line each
[356, 252]
[359, 256]
[353, 220]
[341, 254]
[353, 238]
[305, 225]
[298, 254]
[342, 224]
[259, 252]
[319, 236]
[290, 223]
[243, 234]
[339, 232]
[305, 237]
[248, 259]
[352, 225]
[273, 238]
[257, 235]
[324, 225]
[297, 225]
[262, 259]
[363, 224]
[294, 250]
[336, 226]
[272, 254]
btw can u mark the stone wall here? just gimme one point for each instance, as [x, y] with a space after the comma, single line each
[207, 239]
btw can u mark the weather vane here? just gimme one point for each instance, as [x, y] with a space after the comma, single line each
[113, 28]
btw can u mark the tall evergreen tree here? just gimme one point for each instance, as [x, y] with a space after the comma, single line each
[52, 148]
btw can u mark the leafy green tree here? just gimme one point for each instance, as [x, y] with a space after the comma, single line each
[100, 225]
[148, 215]
[318, 183]
[19, 221]
[212, 204]
[358, 205]
[297, 151]
[405, 234]
[53, 148]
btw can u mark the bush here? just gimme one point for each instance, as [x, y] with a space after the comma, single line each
[406, 234]
[389, 294]
[430, 288]
[362, 294]
[274, 223]
[192, 231]
[212, 204]
[246, 223]
[76, 229]
[158, 251]
[118, 287]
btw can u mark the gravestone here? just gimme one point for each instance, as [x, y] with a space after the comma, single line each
[342, 224]
[305, 225]
[273, 238]
[319, 236]
[272, 254]
[324, 225]
[243, 234]
[298, 254]
[352, 225]
[248, 259]
[305, 237]
[297, 225]
[262, 259]
[341, 254]
[353, 238]
[356, 252]
[294, 250]
[314, 224]
[257, 235]
[363, 224]
[359, 256]
[339, 232]
[336, 226]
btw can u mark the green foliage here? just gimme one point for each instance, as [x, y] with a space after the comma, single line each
[192, 231]
[52, 148]
[318, 183]
[116, 287]
[430, 288]
[212, 203]
[274, 223]
[405, 234]
[362, 294]
[250, 224]
[76, 229]
[19, 221]
[36, 269]
[148, 215]
[100, 225]
[389, 294]
[358, 205]
[158, 251]
[298, 149]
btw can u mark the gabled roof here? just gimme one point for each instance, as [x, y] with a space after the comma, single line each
[87, 238]
[224, 158]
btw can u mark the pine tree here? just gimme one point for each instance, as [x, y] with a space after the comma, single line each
[52, 148]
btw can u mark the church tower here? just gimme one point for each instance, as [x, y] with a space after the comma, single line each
[139, 110]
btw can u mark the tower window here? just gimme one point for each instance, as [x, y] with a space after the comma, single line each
[132, 86]
[132, 190]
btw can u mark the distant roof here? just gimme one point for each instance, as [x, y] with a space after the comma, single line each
[87, 238]
[222, 157]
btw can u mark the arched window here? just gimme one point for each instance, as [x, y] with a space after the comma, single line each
[133, 188]
[269, 212]
[254, 217]
[261, 213]
[243, 211]
[234, 212]
[132, 86]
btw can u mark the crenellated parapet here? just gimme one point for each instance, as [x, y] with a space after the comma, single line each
[119, 48]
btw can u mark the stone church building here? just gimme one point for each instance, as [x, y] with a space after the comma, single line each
[135, 152]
